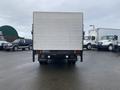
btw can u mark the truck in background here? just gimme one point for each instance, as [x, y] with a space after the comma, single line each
[89, 42]
[108, 39]
[57, 35]
[24, 44]
[90, 39]
[104, 38]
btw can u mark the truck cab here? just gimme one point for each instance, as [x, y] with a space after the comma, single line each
[109, 42]
[89, 42]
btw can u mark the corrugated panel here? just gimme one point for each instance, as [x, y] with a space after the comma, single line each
[57, 31]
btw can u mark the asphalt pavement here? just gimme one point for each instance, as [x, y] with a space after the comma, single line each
[98, 71]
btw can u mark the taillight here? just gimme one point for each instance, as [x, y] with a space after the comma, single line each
[77, 51]
[39, 51]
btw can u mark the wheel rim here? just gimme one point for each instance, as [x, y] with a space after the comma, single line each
[15, 48]
[89, 47]
[110, 48]
[30, 47]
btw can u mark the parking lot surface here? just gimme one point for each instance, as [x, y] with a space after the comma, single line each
[98, 71]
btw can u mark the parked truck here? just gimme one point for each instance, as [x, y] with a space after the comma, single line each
[89, 42]
[24, 44]
[103, 38]
[57, 35]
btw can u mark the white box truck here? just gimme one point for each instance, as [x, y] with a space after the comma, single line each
[57, 35]
[90, 39]
[104, 38]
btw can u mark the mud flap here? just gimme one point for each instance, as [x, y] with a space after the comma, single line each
[81, 56]
[33, 53]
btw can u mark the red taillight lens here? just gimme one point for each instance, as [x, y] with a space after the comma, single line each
[39, 51]
[77, 51]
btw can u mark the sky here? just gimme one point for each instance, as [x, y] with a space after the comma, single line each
[19, 13]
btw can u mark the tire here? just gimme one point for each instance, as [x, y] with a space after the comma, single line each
[30, 47]
[98, 49]
[23, 49]
[43, 62]
[89, 47]
[71, 62]
[110, 48]
[15, 48]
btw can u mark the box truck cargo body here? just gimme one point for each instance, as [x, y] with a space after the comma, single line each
[106, 38]
[57, 35]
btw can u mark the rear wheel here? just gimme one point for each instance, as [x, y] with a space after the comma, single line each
[43, 62]
[23, 49]
[71, 62]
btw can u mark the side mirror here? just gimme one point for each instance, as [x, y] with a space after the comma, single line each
[32, 32]
[115, 37]
[93, 37]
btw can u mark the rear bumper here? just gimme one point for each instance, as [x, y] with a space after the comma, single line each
[59, 54]
[8, 48]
